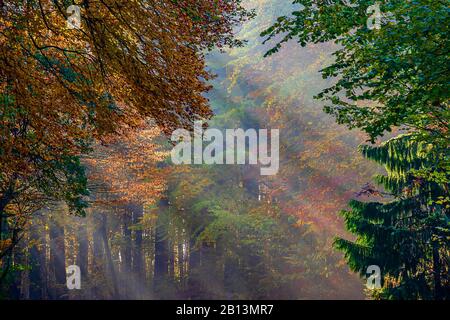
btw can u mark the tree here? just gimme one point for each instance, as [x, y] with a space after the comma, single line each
[125, 178]
[57, 259]
[407, 236]
[53, 179]
[63, 88]
[396, 75]
[125, 170]
[392, 76]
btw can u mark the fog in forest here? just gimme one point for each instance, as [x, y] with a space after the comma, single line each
[159, 231]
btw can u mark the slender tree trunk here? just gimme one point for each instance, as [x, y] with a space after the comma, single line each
[171, 256]
[138, 261]
[438, 295]
[83, 247]
[126, 252]
[83, 254]
[137, 253]
[25, 274]
[193, 269]
[35, 274]
[161, 256]
[181, 259]
[57, 259]
[127, 241]
[161, 252]
[37, 261]
[97, 254]
[43, 258]
[109, 259]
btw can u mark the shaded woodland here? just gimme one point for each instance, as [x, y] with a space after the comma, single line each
[86, 177]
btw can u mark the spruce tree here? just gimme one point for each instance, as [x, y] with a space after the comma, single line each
[407, 233]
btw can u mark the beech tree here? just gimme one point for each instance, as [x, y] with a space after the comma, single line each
[62, 88]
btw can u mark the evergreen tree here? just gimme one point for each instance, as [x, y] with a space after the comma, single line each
[408, 235]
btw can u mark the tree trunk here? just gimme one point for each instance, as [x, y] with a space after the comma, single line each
[161, 251]
[83, 247]
[109, 259]
[181, 259]
[438, 295]
[38, 281]
[57, 259]
[126, 252]
[138, 263]
[98, 254]
[25, 274]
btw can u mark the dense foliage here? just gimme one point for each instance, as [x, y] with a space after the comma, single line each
[63, 88]
[394, 76]
[407, 236]
[85, 114]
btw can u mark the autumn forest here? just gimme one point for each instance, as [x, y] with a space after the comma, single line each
[92, 91]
